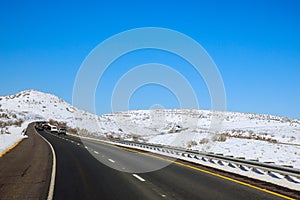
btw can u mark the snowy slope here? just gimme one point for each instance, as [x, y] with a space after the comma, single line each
[263, 137]
[32, 105]
[253, 136]
[197, 123]
[42, 105]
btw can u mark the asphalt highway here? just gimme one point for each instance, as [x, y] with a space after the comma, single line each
[91, 170]
[24, 171]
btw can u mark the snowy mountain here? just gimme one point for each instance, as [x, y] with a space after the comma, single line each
[264, 137]
[32, 105]
[37, 104]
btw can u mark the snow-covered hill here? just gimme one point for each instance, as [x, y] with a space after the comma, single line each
[32, 105]
[264, 137]
[150, 124]
[41, 105]
[260, 137]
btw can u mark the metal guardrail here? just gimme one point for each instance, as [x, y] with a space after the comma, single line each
[249, 168]
[291, 175]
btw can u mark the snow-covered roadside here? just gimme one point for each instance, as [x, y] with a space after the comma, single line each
[252, 149]
[9, 140]
[263, 151]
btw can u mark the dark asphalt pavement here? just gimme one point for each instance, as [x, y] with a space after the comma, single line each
[25, 171]
[81, 176]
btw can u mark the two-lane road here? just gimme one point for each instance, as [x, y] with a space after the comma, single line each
[80, 175]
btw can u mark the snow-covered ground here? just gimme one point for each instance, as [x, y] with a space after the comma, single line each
[254, 136]
[10, 135]
[261, 137]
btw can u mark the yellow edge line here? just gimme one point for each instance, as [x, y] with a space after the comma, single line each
[198, 169]
[204, 171]
[10, 148]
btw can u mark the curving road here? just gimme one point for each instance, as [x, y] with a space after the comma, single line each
[24, 171]
[80, 175]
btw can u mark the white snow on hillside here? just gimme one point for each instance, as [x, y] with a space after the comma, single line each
[264, 137]
[42, 105]
[11, 136]
[33, 105]
[198, 124]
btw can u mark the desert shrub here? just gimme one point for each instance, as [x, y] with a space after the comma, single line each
[53, 122]
[84, 132]
[6, 130]
[203, 141]
[136, 137]
[19, 122]
[4, 115]
[72, 130]
[173, 130]
[191, 143]
[222, 138]
[61, 124]
[9, 123]
[219, 138]
[3, 124]
[293, 138]
[117, 138]
[109, 136]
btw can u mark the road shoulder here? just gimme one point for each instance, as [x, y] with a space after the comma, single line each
[25, 171]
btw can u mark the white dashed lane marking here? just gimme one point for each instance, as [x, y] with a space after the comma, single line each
[138, 177]
[110, 160]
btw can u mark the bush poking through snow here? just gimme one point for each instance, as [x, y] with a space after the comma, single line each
[204, 141]
[109, 136]
[19, 122]
[136, 137]
[72, 130]
[4, 131]
[190, 144]
[219, 138]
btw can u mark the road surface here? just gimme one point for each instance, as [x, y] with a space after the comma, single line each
[24, 171]
[80, 175]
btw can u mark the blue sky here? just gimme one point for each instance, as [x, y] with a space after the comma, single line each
[255, 45]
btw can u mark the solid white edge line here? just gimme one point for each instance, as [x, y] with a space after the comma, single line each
[138, 177]
[53, 173]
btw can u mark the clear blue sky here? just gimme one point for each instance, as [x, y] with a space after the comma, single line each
[255, 44]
